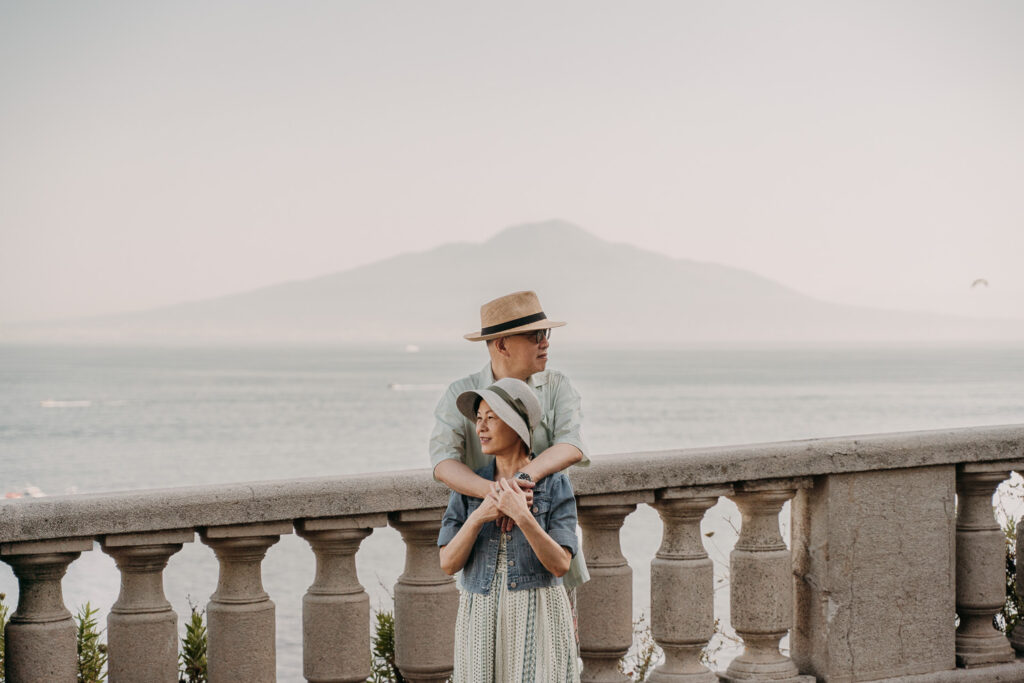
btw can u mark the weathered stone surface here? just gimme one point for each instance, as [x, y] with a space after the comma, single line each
[1012, 672]
[142, 629]
[605, 603]
[880, 547]
[874, 558]
[761, 590]
[40, 636]
[682, 586]
[99, 514]
[980, 567]
[336, 609]
[240, 614]
[426, 602]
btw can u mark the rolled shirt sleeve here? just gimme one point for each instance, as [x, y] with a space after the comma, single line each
[562, 517]
[568, 417]
[448, 440]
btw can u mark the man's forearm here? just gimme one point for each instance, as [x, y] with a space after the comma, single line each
[554, 459]
[457, 476]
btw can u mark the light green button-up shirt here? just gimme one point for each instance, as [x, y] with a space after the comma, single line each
[454, 436]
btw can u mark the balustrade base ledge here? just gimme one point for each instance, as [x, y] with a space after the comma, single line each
[996, 673]
[975, 661]
[726, 678]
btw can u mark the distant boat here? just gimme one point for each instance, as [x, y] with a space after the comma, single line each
[50, 403]
[415, 387]
[412, 348]
[29, 491]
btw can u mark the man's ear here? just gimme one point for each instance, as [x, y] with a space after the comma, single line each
[500, 345]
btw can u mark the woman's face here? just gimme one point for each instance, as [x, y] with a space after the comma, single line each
[496, 437]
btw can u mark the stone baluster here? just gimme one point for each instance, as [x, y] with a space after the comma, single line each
[682, 585]
[240, 615]
[40, 636]
[980, 566]
[426, 601]
[142, 629]
[605, 603]
[336, 609]
[761, 595]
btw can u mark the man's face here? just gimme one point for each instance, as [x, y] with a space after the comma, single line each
[527, 355]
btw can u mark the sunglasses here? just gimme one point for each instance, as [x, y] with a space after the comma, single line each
[537, 336]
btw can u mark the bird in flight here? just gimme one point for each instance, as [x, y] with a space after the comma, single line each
[979, 283]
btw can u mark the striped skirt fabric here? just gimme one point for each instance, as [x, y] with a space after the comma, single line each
[506, 636]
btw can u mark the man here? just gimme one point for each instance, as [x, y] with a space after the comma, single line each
[517, 333]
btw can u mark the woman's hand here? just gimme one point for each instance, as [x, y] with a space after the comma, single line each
[510, 500]
[488, 509]
[506, 523]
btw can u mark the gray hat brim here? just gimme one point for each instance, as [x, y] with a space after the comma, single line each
[465, 403]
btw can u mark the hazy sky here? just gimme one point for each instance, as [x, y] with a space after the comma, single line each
[862, 152]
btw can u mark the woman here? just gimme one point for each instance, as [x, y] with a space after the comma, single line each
[515, 622]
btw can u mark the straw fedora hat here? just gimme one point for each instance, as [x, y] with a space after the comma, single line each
[511, 314]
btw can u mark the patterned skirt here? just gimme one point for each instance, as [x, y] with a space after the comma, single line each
[506, 636]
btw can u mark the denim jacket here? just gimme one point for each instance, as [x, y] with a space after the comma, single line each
[554, 506]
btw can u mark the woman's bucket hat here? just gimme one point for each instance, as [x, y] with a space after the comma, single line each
[511, 314]
[512, 400]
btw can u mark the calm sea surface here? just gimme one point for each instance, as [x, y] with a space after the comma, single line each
[104, 419]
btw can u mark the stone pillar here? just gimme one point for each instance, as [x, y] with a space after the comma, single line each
[980, 566]
[761, 591]
[336, 609]
[240, 615]
[40, 636]
[605, 603]
[142, 629]
[682, 586]
[874, 556]
[426, 601]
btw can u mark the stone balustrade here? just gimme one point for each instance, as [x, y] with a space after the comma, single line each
[893, 536]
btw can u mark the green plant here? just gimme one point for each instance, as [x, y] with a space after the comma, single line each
[638, 662]
[3, 626]
[92, 654]
[1010, 497]
[382, 665]
[1013, 607]
[193, 649]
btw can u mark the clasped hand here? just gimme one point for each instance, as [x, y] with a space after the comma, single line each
[506, 500]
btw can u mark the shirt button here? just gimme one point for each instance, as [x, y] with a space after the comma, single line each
[512, 585]
[511, 563]
[535, 509]
[508, 537]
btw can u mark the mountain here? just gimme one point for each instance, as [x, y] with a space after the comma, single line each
[609, 293]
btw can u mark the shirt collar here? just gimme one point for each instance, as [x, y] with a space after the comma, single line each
[535, 380]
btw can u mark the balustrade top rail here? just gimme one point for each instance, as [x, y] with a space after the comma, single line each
[203, 506]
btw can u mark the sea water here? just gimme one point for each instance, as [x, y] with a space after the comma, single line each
[91, 419]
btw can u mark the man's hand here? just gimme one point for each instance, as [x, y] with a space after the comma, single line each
[506, 523]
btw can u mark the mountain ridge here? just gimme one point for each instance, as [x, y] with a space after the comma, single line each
[609, 292]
